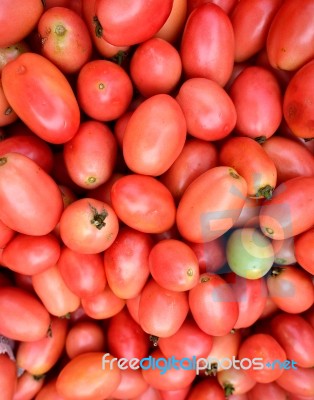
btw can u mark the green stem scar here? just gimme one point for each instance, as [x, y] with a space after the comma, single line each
[60, 30]
[266, 191]
[98, 219]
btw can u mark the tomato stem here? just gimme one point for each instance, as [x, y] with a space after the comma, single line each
[154, 339]
[275, 271]
[228, 389]
[98, 27]
[260, 139]
[266, 191]
[212, 370]
[98, 218]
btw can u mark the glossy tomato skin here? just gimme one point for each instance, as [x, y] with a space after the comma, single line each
[40, 203]
[28, 386]
[6, 234]
[226, 5]
[202, 217]
[284, 251]
[270, 390]
[174, 25]
[150, 148]
[211, 255]
[88, 226]
[235, 381]
[207, 389]
[143, 203]
[88, 367]
[290, 211]
[213, 305]
[128, 23]
[42, 97]
[209, 111]
[289, 47]
[298, 381]
[7, 115]
[303, 249]
[132, 385]
[24, 317]
[48, 391]
[8, 378]
[207, 46]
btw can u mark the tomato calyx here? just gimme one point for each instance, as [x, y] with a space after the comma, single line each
[66, 316]
[154, 339]
[3, 160]
[308, 139]
[98, 218]
[266, 191]
[228, 389]
[60, 30]
[260, 139]
[275, 271]
[98, 27]
[120, 57]
[38, 377]
[212, 370]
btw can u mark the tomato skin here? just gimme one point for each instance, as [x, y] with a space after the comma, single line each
[132, 384]
[289, 211]
[207, 389]
[213, 305]
[42, 97]
[40, 356]
[28, 386]
[6, 234]
[209, 112]
[211, 255]
[87, 367]
[289, 48]
[151, 149]
[40, 203]
[174, 25]
[24, 317]
[257, 97]
[249, 216]
[284, 251]
[291, 289]
[298, 381]
[211, 216]
[268, 391]
[126, 262]
[207, 46]
[104, 90]
[291, 158]
[7, 115]
[303, 248]
[49, 391]
[128, 23]
[162, 311]
[143, 203]
[235, 381]
[251, 21]
[8, 379]
[226, 5]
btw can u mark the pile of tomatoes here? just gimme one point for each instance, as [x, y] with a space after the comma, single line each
[156, 198]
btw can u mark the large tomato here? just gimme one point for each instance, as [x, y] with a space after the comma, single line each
[42, 97]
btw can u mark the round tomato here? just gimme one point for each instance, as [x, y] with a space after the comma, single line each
[303, 249]
[235, 381]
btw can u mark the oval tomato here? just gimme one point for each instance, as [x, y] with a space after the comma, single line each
[9, 53]
[298, 381]
[28, 386]
[7, 115]
[132, 385]
[6, 234]
[174, 25]
[42, 97]
[8, 377]
[303, 249]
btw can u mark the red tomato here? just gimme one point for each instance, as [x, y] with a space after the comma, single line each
[267, 391]
[235, 381]
[133, 307]
[17, 14]
[179, 394]
[284, 251]
[132, 384]
[102, 192]
[303, 248]
[8, 378]
[213, 305]
[7, 115]
[174, 25]
[211, 255]
[207, 46]
[38, 357]
[49, 391]
[150, 148]
[174, 265]
[211, 216]
[290, 37]
[298, 381]
[42, 97]
[251, 21]
[207, 389]
[226, 5]
[291, 289]
[209, 112]
[88, 368]
[65, 39]
[290, 211]
[143, 203]
[84, 274]
[84, 337]
[162, 311]
[42, 202]
[125, 23]
[126, 262]
[88, 226]
[257, 98]
[254, 165]
[6, 234]
[249, 216]
[28, 386]
[104, 90]
[24, 317]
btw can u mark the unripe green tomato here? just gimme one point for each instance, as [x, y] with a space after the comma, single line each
[250, 253]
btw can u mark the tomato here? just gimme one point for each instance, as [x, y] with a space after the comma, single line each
[257, 98]
[38, 357]
[249, 216]
[42, 97]
[126, 262]
[290, 211]
[88, 368]
[18, 14]
[28, 386]
[179, 394]
[270, 309]
[84, 274]
[65, 39]
[7, 114]
[284, 251]
[88, 226]
[226, 5]
[84, 337]
[102, 305]
[209, 112]
[132, 384]
[213, 305]
[267, 391]
[49, 391]
[291, 289]
[143, 203]
[235, 381]
[150, 148]
[174, 25]
[9, 53]
[187, 342]
[207, 45]
[18, 174]
[126, 339]
[298, 103]
[251, 21]
[303, 248]
[211, 255]
[155, 67]
[207, 389]
[104, 90]
[128, 23]
[298, 381]
[290, 37]
[133, 307]
[174, 265]
[8, 379]
[291, 158]
[196, 157]
[264, 347]
[211, 216]
[6, 234]
[24, 317]
[102, 192]
[162, 311]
